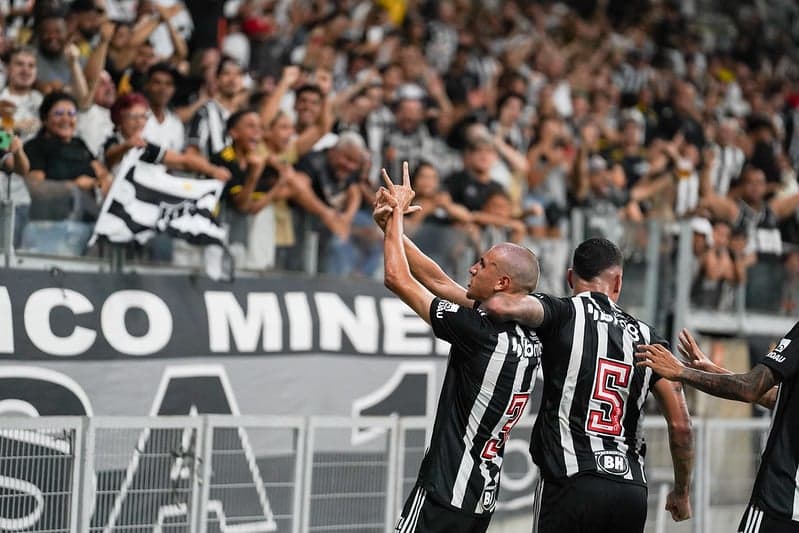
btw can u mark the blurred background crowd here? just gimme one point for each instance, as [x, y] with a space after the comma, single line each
[513, 116]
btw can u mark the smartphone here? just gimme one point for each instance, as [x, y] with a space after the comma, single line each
[5, 140]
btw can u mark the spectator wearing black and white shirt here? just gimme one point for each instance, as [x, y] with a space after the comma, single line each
[206, 133]
[409, 139]
[728, 158]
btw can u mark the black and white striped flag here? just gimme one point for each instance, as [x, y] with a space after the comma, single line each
[145, 200]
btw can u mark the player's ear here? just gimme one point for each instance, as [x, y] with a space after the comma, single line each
[503, 283]
[617, 286]
[570, 277]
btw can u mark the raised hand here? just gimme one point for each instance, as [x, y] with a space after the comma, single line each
[694, 356]
[404, 194]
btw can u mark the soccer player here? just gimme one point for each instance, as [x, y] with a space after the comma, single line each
[490, 373]
[587, 437]
[774, 504]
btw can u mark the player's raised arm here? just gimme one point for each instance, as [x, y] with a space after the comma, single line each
[424, 269]
[398, 278]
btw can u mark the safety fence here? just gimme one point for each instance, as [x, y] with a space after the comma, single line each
[222, 473]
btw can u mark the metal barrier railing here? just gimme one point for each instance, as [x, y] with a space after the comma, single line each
[300, 474]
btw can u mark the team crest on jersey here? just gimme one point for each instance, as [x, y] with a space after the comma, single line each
[445, 306]
[775, 353]
[613, 463]
[489, 499]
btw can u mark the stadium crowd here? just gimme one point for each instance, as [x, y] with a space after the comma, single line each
[511, 114]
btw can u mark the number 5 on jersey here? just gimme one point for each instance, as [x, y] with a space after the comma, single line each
[611, 388]
[514, 412]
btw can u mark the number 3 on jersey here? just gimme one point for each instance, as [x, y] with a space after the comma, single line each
[606, 408]
[514, 412]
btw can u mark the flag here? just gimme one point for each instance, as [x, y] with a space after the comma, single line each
[145, 200]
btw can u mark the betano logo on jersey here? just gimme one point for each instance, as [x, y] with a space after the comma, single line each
[617, 319]
[775, 353]
[613, 463]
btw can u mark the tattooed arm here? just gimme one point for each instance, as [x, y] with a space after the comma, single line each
[681, 444]
[749, 387]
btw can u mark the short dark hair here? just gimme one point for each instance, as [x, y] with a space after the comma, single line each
[51, 100]
[308, 88]
[594, 256]
[225, 61]
[234, 119]
[164, 67]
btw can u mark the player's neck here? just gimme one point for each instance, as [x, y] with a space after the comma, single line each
[593, 286]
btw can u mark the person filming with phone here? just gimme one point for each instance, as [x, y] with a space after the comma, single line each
[14, 162]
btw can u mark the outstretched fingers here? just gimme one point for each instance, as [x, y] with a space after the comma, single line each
[387, 180]
[406, 175]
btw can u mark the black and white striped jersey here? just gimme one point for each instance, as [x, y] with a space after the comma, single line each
[589, 420]
[490, 374]
[776, 487]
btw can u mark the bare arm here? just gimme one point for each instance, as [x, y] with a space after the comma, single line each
[181, 51]
[398, 276]
[526, 310]
[271, 105]
[749, 387]
[699, 361]
[78, 85]
[19, 160]
[422, 267]
[516, 159]
[785, 206]
[681, 444]
[96, 62]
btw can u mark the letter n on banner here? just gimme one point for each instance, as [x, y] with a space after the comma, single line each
[156, 486]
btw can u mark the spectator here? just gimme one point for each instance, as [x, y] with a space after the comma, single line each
[86, 16]
[258, 181]
[760, 218]
[313, 114]
[334, 174]
[53, 71]
[130, 114]
[21, 93]
[64, 176]
[549, 160]
[206, 134]
[19, 107]
[408, 139]
[94, 120]
[716, 279]
[728, 158]
[163, 125]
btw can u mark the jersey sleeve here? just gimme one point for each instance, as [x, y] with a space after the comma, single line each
[557, 311]
[784, 359]
[454, 323]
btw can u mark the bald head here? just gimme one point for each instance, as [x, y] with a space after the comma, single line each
[520, 264]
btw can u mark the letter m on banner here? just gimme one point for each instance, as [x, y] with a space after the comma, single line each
[155, 492]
